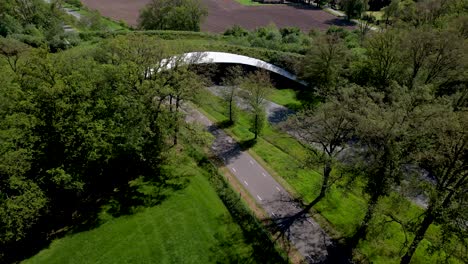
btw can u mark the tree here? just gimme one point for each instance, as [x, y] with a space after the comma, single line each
[258, 86]
[184, 85]
[80, 128]
[323, 62]
[384, 61]
[231, 81]
[354, 8]
[442, 145]
[12, 50]
[326, 130]
[391, 11]
[172, 15]
[435, 57]
[384, 130]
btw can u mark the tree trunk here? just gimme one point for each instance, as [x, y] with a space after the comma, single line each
[230, 110]
[361, 233]
[256, 126]
[323, 190]
[420, 233]
[176, 120]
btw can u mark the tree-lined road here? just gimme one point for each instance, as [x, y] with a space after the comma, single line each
[304, 233]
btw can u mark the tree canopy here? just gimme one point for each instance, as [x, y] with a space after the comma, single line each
[172, 15]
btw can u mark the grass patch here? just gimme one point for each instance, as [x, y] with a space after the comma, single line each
[285, 97]
[345, 205]
[191, 226]
[377, 14]
[248, 2]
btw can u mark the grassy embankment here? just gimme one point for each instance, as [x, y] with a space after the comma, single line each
[344, 206]
[191, 226]
[104, 23]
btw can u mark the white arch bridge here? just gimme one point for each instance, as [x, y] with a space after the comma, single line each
[208, 57]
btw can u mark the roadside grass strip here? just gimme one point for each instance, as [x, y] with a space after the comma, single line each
[344, 205]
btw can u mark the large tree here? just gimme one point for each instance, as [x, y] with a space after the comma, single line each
[326, 131]
[354, 8]
[258, 86]
[384, 129]
[322, 64]
[172, 15]
[231, 81]
[442, 145]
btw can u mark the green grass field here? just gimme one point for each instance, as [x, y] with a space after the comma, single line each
[344, 206]
[191, 226]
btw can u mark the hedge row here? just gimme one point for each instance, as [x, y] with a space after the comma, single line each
[285, 60]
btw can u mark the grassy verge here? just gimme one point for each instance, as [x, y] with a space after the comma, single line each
[191, 226]
[285, 97]
[248, 2]
[344, 206]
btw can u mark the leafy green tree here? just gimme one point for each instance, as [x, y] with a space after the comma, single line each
[384, 58]
[354, 8]
[327, 130]
[323, 62]
[12, 50]
[231, 81]
[172, 15]
[442, 150]
[82, 127]
[384, 128]
[258, 86]
[391, 11]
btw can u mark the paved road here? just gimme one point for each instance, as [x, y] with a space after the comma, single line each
[305, 234]
[276, 113]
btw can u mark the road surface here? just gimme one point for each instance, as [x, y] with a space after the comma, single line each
[304, 233]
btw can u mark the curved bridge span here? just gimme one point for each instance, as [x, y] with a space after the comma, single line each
[223, 57]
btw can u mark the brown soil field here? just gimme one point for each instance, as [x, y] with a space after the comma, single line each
[223, 14]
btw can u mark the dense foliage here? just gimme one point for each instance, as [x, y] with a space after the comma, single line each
[404, 90]
[172, 15]
[83, 128]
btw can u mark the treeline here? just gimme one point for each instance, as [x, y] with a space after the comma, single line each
[394, 113]
[83, 128]
[35, 23]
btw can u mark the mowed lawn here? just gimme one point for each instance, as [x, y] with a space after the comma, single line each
[191, 226]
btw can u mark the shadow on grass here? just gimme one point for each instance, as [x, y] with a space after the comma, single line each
[224, 124]
[247, 144]
[70, 216]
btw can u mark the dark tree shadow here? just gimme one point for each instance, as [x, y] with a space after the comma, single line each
[341, 22]
[295, 216]
[111, 194]
[279, 115]
[224, 146]
[224, 124]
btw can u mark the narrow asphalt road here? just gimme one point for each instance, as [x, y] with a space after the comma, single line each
[304, 233]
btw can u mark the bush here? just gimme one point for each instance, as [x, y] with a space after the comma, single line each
[76, 3]
[236, 31]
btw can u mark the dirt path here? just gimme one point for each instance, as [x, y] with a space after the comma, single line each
[223, 14]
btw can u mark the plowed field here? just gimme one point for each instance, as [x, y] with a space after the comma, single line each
[226, 13]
